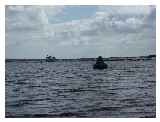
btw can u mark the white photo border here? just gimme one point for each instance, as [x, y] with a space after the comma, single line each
[3, 3]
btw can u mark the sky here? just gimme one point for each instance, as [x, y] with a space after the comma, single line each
[79, 31]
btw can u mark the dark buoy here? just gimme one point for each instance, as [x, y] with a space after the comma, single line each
[100, 64]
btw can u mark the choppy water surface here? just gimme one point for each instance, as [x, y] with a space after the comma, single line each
[74, 89]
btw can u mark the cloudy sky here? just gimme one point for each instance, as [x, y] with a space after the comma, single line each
[80, 31]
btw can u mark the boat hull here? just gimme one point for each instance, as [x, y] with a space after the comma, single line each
[50, 60]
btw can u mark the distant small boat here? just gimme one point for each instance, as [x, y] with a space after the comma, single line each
[100, 64]
[50, 59]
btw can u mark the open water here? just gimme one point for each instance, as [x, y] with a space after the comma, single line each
[75, 89]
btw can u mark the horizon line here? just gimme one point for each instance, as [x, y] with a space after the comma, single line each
[87, 57]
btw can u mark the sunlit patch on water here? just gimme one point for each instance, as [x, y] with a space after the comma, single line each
[74, 89]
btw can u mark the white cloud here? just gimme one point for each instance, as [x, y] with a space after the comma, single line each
[127, 10]
[111, 29]
[33, 17]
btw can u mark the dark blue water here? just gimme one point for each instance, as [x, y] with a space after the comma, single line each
[74, 89]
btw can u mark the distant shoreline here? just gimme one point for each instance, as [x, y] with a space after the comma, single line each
[149, 57]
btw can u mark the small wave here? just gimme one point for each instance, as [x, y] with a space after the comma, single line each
[19, 82]
[19, 103]
[105, 109]
[67, 114]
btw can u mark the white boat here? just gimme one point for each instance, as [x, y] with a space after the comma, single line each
[50, 59]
